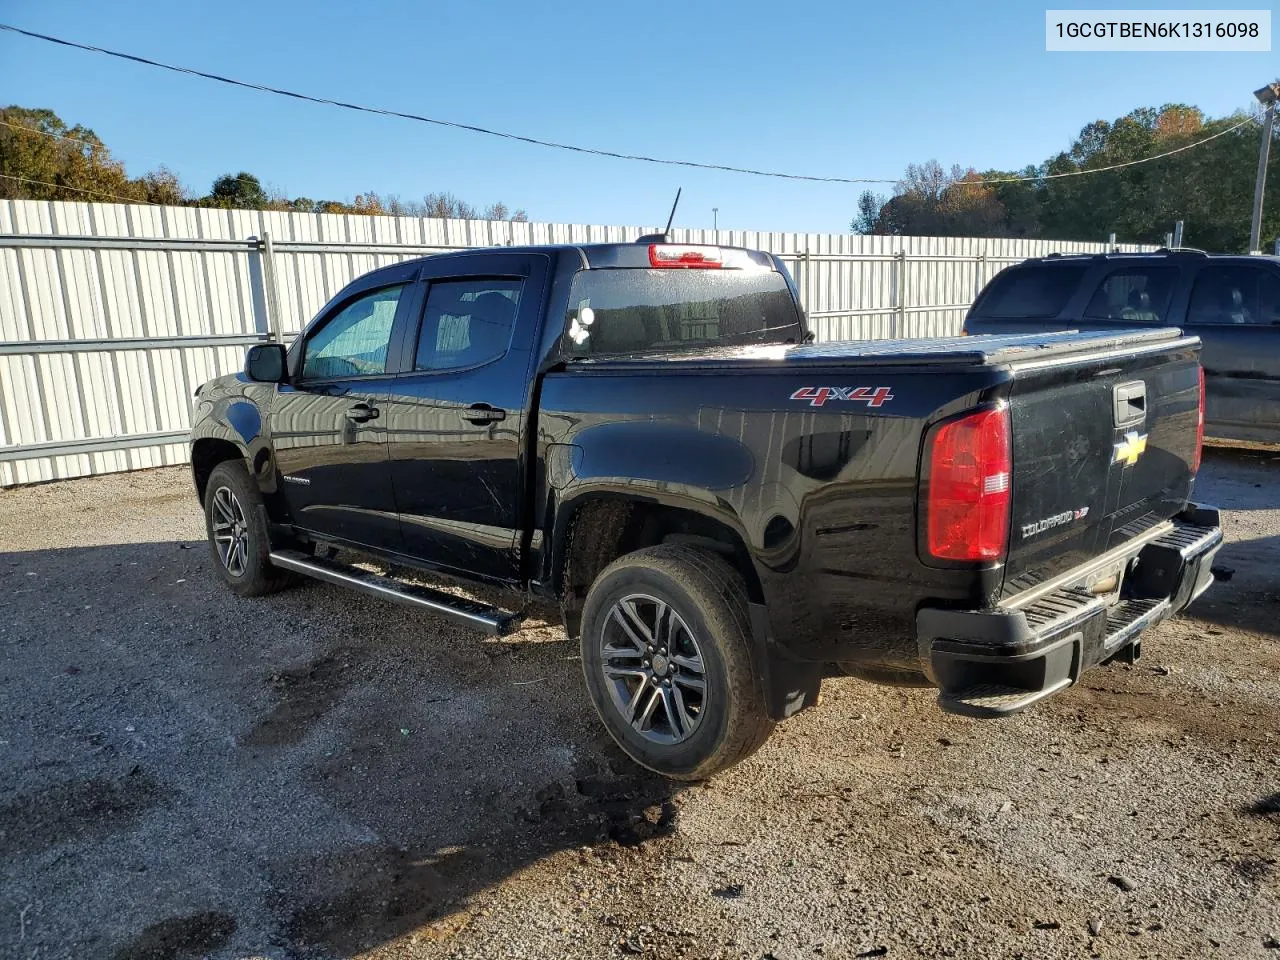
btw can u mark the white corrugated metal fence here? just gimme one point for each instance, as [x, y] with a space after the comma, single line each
[112, 314]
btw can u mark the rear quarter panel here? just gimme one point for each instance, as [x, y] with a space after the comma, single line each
[823, 494]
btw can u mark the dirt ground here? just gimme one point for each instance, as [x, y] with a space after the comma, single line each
[318, 774]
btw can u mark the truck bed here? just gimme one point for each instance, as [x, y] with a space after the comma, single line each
[990, 350]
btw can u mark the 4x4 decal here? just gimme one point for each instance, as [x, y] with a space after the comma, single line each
[817, 396]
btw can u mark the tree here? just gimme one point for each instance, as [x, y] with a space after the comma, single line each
[41, 158]
[241, 191]
[163, 186]
[869, 205]
[1093, 188]
[968, 207]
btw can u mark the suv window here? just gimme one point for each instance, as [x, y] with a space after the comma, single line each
[1235, 294]
[1040, 290]
[466, 323]
[1134, 294]
[353, 343]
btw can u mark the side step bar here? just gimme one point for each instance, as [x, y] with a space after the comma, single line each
[469, 613]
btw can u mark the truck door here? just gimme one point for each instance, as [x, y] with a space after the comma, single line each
[1235, 311]
[326, 424]
[456, 417]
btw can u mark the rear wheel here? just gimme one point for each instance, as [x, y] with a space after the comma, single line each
[236, 524]
[669, 663]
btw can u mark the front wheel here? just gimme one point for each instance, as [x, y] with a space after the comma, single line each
[236, 524]
[669, 662]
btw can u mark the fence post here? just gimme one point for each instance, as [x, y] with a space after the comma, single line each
[808, 285]
[980, 280]
[899, 293]
[267, 252]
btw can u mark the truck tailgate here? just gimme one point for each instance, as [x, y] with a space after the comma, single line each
[1104, 444]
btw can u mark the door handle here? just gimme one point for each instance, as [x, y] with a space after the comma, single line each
[362, 413]
[483, 413]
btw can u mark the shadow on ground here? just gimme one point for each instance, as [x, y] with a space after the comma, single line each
[309, 774]
[1247, 594]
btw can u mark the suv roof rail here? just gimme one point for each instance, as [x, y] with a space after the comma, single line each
[1196, 251]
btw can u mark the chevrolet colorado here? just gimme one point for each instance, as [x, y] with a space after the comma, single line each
[724, 512]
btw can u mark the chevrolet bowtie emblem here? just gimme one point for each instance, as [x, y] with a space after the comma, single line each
[1130, 448]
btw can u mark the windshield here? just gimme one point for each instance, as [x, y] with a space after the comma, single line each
[634, 310]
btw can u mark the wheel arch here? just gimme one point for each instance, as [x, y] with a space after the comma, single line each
[206, 453]
[598, 526]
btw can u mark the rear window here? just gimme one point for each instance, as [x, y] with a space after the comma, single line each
[1036, 291]
[1235, 295]
[616, 311]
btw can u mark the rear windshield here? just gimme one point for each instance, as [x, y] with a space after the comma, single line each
[634, 310]
[1035, 291]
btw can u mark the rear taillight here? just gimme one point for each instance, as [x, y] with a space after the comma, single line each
[674, 255]
[1195, 458]
[967, 499]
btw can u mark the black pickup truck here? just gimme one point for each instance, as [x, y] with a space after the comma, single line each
[1231, 302]
[725, 512]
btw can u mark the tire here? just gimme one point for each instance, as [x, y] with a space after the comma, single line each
[683, 734]
[233, 503]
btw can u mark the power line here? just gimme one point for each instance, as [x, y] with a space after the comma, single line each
[46, 133]
[1114, 166]
[67, 186]
[262, 88]
[421, 119]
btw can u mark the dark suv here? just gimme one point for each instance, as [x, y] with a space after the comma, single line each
[1232, 303]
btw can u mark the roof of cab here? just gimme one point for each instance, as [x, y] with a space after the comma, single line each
[592, 255]
[1173, 254]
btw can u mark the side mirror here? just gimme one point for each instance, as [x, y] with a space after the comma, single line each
[264, 363]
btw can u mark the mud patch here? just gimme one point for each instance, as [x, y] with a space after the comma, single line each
[305, 695]
[179, 938]
[75, 810]
[1255, 870]
[631, 809]
[350, 902]
[1266, 806]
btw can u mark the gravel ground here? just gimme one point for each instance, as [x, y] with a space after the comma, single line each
[318, 774]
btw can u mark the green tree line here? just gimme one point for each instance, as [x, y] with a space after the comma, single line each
[1208, 187]
[41, 158]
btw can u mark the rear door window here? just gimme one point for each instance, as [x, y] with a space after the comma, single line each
[1235, 295]
[1134, 295]
[1041, 290]
[467, 323]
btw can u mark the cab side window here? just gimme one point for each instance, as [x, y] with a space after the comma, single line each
[1134, 295]
[1235, 295]
[353, 343]
[466, 323]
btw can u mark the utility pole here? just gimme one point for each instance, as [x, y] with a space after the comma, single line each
[1267, 96]
[715, 218]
